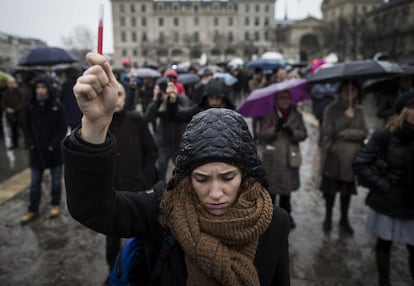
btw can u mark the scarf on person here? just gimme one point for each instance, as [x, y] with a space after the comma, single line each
[219, 250]
[406, 135]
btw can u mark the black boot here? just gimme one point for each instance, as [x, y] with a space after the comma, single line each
[344, 222]
[382, 259]
[329, 203]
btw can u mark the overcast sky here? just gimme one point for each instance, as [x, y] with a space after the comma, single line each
[50, 20]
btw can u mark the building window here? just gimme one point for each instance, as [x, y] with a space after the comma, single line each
[122, 21]
[176, 37]
[144, 37]
[196, 37]
[247, 36]
[161, 22]
[256, 36]
[247, 21]
[134, 37]
[266, 21]
[133, 22]
[124, 52]
[143, 8]
[144, 22]
[196, 8]
[247, 8]
[257, 8]
[230, 21]
[216, 21]
[257, 21]
[121, 8]
[196, 21]
[134, 52]
[267, 8]
[230, 37]
[123, 37]
[132, 7]
[176, 22]
[161, 38]
[266, 36]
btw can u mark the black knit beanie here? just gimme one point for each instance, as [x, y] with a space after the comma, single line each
[217, 135]
[405, 99]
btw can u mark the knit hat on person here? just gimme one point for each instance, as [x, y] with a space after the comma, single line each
[217, 87]
[218, 135]
[405, 99]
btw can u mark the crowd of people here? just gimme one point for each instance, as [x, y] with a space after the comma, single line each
[228, 198]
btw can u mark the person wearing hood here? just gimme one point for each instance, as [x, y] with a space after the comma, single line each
[215, 95]
[46, 126]
[216, 205]
[344, 130]
[385, 165]
[172, 77]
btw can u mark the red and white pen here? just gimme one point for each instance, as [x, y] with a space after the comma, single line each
[100, 28]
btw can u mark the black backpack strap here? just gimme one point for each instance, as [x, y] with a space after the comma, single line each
[168, 243]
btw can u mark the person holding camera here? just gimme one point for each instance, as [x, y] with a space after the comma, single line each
[168, 132]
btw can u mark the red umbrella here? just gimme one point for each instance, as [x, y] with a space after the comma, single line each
[261, 100]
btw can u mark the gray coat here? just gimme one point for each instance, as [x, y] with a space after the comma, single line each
[281, 153]
[342, 138]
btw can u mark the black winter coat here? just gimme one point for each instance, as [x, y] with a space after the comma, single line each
[45, 126]
[88, 172]
[136, 152]
[389, 191]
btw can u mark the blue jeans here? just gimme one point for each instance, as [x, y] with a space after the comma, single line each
[36, 187]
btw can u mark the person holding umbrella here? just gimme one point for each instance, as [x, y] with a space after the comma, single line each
[344, 130]
[391, 188]
[281, 131]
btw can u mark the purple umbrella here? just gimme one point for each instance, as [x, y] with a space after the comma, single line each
[261, 101]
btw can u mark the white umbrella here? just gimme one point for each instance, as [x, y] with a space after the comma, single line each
[272, 56]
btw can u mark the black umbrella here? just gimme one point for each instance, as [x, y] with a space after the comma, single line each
[387, 84]
[47, 56]
[264, 64]
[356, 70]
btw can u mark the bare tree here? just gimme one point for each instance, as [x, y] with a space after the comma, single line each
[80, 41]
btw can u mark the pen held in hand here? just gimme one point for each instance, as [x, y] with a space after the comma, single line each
[100, 28]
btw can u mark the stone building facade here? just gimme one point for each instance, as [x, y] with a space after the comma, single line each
[149, 31]
[352, 29]
[12, 48]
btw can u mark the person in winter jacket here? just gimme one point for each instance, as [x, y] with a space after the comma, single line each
[344, 130]
[13, 104]
[136, 154]
[46, 126]
[215, 95]
[168, 133]
[281, 131]
[216, 205]
[385, 165]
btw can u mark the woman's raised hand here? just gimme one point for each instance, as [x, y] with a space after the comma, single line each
[96, 92]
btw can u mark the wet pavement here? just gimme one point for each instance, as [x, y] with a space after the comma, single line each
[62, 252]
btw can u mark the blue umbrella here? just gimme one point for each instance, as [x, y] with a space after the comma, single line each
[229, 80]
[264, 64]
[47, 56]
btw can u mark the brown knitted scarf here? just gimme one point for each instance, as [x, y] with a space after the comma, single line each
[219, 250]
